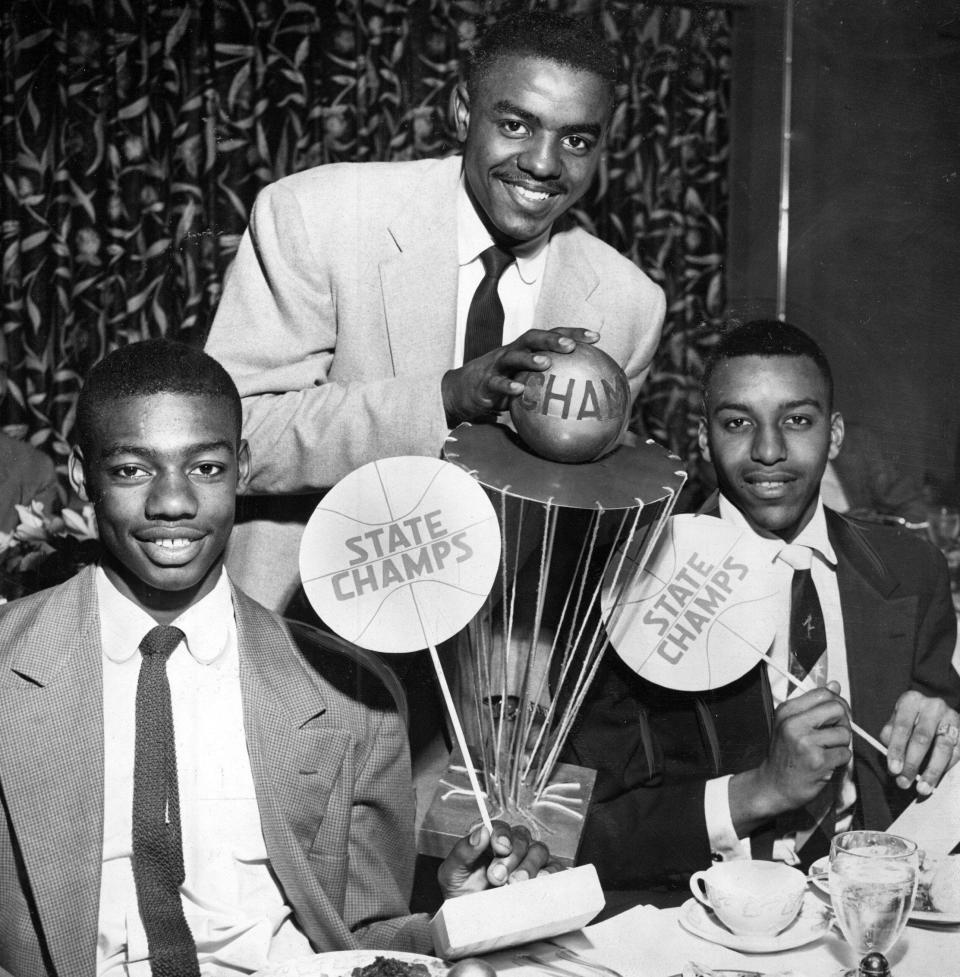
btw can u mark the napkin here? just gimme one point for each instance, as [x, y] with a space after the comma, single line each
[932, 821]
[641, 942]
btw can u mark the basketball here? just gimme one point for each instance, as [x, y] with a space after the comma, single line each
[576, 410]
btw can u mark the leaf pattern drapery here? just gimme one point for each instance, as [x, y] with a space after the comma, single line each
[135, 134]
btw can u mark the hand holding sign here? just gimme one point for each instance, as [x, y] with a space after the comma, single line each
[399, 556]
[702, 612]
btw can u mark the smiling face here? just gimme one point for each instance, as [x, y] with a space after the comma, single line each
[533, 135]
[163, 474]
[769, 432]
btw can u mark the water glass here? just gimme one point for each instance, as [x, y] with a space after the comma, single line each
[873, 882]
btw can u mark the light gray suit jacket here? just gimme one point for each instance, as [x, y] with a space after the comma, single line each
[337, 323]
[329, 765]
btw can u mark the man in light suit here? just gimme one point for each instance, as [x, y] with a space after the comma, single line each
[344, 315]
[293, 784]
[736, 771]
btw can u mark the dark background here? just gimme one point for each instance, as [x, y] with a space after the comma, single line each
[874, 245]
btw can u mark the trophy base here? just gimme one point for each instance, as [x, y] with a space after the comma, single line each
[556, 818]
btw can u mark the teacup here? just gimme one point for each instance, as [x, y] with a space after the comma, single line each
[751, 898]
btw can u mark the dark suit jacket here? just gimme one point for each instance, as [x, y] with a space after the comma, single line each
[654, 749]
[329, 764]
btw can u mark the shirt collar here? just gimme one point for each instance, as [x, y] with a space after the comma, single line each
[473, 238]
[814, 534]
[205, 624]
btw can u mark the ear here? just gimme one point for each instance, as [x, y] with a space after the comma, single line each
[461, 111]
[78, 478]
[243, 465]
[836, 434]
[703, 440]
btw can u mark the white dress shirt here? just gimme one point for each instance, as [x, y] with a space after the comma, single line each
[233, 905]
[723, 837]
[519, 286]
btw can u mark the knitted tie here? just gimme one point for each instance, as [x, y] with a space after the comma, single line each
[157, 847]
[485, 318]
[808, 635]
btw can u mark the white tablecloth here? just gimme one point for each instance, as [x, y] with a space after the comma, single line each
[649, 942]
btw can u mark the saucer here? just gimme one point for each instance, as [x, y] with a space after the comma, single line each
[818, 877]
[812, 922]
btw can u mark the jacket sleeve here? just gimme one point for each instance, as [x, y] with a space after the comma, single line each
[646, 826]
[277, 331]
[654, 749]
[381, 846]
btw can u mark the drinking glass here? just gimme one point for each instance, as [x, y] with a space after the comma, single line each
[873, 882]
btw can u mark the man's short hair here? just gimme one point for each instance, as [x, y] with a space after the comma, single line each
[154, 366]
[546, 35]
[764, 337]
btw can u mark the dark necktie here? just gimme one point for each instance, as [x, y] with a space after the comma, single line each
[157, 846]
[485, 318]
[808, 638]
[808, 632]
[814, 823]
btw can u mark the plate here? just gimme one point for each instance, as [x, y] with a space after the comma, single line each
[733, 973]
[341, 963]
[817, 878]
[812, 922]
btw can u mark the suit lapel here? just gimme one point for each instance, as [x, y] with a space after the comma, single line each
[568, 283]
[418, 275]
[51, 766]
[877, 625]
[296, 763]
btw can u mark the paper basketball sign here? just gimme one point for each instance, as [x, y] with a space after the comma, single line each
[400, 553]
[701, 611]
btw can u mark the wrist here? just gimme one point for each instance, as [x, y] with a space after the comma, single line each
[753, 801]
[448, 398]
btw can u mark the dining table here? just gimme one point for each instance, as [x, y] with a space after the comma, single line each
[645, 941]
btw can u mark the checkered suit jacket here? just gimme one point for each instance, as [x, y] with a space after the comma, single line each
[329, 762]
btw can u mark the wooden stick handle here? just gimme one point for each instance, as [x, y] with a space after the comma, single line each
[461, 739]
[797, 684]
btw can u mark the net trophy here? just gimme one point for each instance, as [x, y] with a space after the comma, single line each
[523, 665]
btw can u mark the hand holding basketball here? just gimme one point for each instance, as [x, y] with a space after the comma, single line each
[486, 384]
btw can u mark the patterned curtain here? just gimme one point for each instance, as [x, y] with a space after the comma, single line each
[135, 134]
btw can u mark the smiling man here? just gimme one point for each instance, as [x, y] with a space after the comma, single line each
[755, 768]
[374, 306]
[187, 789]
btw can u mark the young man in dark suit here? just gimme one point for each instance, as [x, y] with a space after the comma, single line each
[754, 769]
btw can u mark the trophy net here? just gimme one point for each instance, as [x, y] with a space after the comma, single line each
[524, 664]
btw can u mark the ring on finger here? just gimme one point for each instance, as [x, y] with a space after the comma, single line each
[950, 732]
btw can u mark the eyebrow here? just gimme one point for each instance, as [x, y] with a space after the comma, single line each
[112, 450]
[782, 406]
[589, 128]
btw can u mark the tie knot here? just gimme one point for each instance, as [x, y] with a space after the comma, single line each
[495, 261]
[161, 640]
[796, 556]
